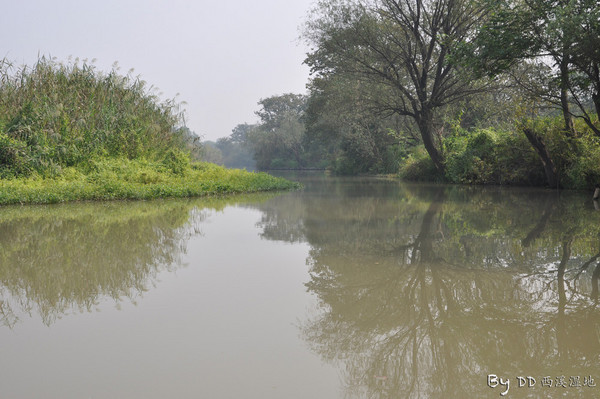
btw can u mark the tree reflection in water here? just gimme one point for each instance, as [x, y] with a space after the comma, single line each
[63, 258]
[426, 291]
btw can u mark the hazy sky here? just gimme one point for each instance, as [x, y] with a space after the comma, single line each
[222, 57]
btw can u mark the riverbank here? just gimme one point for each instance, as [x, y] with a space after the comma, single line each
[120, 179]
[69, 133]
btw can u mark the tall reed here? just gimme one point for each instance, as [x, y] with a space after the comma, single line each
[54, 115]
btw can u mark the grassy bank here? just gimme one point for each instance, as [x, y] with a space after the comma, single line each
[114, 179]
[70, 132]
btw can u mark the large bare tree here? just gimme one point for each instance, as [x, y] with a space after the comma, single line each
[405, 47]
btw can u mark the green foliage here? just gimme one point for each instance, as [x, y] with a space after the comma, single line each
[122, 178]
[488, 156]
[501, 41]
[68, 132]
[367, 80]
[284, 163]
[584, 173]
[418, 166]
[346, 166]
[361, 157]
[235, 150]
[191, 143]
[177, 162]
[396, 57]
[273, 109]
[211, 153]
[392, 157]
[562, 37]
[13, 157]
[577, 159]
[354, 138]
[516, 162]
[55, 115]
[278, 141]
[473, 156]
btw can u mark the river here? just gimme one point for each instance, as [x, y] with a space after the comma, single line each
[348, 288]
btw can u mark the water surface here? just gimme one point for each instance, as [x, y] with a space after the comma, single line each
[349, 288]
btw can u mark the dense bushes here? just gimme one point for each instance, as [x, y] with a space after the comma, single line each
[471, 157]
[418, 166]
[489, 156]
[493, 156]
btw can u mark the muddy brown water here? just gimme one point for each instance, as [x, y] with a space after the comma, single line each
[348, 288]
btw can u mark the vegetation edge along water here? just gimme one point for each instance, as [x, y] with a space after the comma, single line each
[119, 179]
[70, 132]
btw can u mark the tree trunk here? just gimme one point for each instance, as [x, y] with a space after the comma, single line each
[541, 224]
[595, 277]
[564, 97]
[595, 77]
[596, 99]
[426, 129]
[423, 245]
[540, 147]
[561, 326]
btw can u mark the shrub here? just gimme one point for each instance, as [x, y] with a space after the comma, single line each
[577, 159]
[488, 156]
[580, 161]
[176, 162]
[392, 158]
[418, 166]
[471, 157]
[516, 161]
[122, 178]
[347, 166]
[282, 163]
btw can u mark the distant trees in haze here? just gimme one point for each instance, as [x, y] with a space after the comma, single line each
[277, 141]
[234, 149]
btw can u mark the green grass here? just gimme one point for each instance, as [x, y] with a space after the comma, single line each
[69, 132]
[55, 115]
[121, 178]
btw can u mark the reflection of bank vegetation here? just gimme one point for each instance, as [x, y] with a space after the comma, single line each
[426, 291]
[62, 258]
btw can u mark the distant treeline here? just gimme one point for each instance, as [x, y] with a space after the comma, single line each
[278, 141]
[484, 92]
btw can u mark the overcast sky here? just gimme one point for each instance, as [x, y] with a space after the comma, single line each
[222, 57]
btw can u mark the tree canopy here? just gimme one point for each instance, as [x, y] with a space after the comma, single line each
[404, 48]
